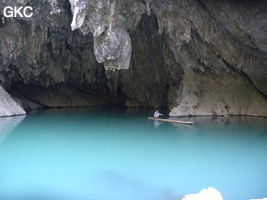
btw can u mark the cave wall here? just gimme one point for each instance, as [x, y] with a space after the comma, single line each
[43, 61]
[219, 70]
[194, 57]
[153, 72]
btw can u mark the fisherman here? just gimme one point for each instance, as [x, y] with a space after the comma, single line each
[157, 114]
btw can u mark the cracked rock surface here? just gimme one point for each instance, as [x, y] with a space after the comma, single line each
[199, 57]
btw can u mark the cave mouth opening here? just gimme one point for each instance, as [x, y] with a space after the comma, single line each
[148, 83]
[153, 74]
[37, 97]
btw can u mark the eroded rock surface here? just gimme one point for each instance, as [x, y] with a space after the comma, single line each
[112, 43]
[195, 57]
[219, 70]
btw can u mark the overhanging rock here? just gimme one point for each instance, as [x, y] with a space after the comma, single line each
[112, 43]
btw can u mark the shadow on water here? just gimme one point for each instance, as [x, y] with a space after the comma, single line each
[96, 154]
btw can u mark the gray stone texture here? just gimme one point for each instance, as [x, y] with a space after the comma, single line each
[196, 57]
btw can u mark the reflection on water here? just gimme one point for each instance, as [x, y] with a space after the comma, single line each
[7, 124]
[157, 123]
[112, 154]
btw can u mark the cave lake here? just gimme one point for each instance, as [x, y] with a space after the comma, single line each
[114, 154]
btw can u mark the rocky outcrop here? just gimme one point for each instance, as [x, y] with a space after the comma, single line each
[194, 57]
[44, 63]
[8, 107]
[217, 66]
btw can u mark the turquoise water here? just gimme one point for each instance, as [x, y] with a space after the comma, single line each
[111, 154]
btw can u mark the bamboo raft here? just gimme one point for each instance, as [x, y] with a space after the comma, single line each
[171, 120]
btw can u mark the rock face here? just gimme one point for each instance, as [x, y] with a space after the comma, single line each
[8, 107]
[112, 43]
[194, 57]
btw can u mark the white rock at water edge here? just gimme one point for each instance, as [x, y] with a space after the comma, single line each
[205, 194]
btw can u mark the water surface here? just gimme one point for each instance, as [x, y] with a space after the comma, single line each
[111, 154]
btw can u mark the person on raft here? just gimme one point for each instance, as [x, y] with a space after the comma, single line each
[157, 114]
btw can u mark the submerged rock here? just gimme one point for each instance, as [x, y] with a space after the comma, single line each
[8, 107]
